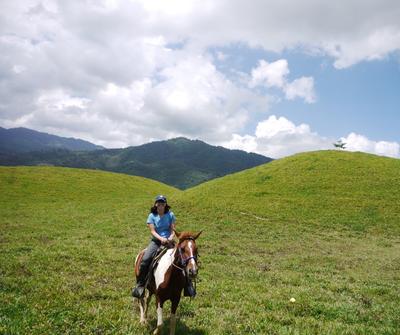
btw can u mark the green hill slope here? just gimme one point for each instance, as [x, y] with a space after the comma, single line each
[357, 190]
[68, 237]
[320, 227]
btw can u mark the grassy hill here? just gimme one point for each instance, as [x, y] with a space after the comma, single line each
[320, 227]
[67, 241]
[328, 188]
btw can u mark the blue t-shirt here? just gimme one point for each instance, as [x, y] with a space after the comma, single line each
[162, 224]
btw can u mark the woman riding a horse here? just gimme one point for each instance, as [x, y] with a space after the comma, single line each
[161, 222]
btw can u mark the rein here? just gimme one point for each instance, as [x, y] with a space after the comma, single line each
[182, 260]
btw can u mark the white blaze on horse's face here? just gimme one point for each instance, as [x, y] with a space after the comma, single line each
[191, 254]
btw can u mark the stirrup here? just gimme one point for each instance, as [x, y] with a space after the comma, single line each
[138, 292]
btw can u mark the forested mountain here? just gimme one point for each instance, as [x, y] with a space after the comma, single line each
[24, 140]
[178, 162]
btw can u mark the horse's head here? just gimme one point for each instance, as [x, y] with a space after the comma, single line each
[187, 252]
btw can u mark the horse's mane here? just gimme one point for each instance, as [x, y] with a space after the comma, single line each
[187, 235]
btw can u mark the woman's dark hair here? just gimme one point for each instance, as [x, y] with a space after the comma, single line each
[154, 209]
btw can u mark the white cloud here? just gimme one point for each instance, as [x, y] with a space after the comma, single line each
[58, 100]
[278, 137]
[194, 99]
[189, 98]
[247, 143]
[275, 75]
[121, 72]
[105, 72]
[356, 142]
[274, 126]
[319, 26]
[374, 46]
[302, 88]
[270, 74]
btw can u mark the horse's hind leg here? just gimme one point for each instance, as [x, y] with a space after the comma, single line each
[146, 299]
[142, 306]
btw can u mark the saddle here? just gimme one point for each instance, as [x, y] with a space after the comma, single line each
[156, 259]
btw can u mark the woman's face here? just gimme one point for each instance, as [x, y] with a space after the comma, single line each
[160, 206]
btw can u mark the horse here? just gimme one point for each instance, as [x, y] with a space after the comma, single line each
[168, 279]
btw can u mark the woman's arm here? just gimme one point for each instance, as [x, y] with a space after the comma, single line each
[172, 236]
[163, 240]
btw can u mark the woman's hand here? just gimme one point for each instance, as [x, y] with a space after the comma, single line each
[164, 240]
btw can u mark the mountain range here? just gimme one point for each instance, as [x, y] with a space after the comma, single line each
[16, 140]
[178, 162]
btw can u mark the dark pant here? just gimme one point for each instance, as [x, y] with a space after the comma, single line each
[148, 256]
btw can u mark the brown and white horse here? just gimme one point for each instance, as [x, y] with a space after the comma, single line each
[169, 278]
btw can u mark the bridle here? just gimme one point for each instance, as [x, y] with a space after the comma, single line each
[182, 260]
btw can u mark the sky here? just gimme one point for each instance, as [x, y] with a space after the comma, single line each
[271, 77]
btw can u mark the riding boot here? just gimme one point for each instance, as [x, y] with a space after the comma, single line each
[138, 290]
[189, 290]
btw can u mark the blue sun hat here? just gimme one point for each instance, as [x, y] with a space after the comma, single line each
[161, 198]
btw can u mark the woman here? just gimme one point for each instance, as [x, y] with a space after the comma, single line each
[161, 222]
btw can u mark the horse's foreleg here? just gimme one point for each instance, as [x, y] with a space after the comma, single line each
[172, 324]
[157, 331]
[174, 306]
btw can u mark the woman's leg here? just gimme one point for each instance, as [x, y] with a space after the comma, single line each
[148, 256]
[144, 267]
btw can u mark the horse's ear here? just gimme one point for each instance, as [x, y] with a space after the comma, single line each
[197, 235]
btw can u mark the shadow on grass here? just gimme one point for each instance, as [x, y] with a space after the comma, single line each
[181, 328]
